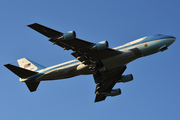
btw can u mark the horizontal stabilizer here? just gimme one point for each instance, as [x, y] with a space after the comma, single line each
[32, 86]
[21, 72]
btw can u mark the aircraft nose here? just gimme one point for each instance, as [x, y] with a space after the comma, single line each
[170, 39]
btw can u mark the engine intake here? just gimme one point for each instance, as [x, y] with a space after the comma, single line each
[101, 45]
[114, 92]
[68, 36]
[126, 78]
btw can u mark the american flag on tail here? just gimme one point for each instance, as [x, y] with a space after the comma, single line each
[27, 65]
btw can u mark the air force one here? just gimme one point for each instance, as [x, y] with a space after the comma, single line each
[106, 64]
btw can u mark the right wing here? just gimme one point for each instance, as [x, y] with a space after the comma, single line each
[106, 82]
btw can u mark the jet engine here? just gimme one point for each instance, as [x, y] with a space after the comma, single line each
[68, 36]
[126, 78]
[101, 45]
[114, 92]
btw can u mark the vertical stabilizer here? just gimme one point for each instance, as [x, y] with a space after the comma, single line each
[29, 65]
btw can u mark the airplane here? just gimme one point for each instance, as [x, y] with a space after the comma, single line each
[107, 65]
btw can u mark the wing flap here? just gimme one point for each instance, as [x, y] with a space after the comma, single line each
[76, 43]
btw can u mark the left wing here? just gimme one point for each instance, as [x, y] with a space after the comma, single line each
[83, 50]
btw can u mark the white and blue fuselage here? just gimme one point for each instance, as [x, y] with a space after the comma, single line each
[138, 48]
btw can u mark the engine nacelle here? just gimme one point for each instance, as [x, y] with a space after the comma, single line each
[101, 45]
[126, 78]
[68, 36]
[114, 92]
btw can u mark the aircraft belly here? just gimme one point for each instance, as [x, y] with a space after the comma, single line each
[61, 73]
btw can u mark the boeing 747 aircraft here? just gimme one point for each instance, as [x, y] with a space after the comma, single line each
[106, 64]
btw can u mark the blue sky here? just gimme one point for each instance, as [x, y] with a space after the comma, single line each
[152, 95]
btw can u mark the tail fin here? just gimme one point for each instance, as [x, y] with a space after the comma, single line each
[29, 65]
